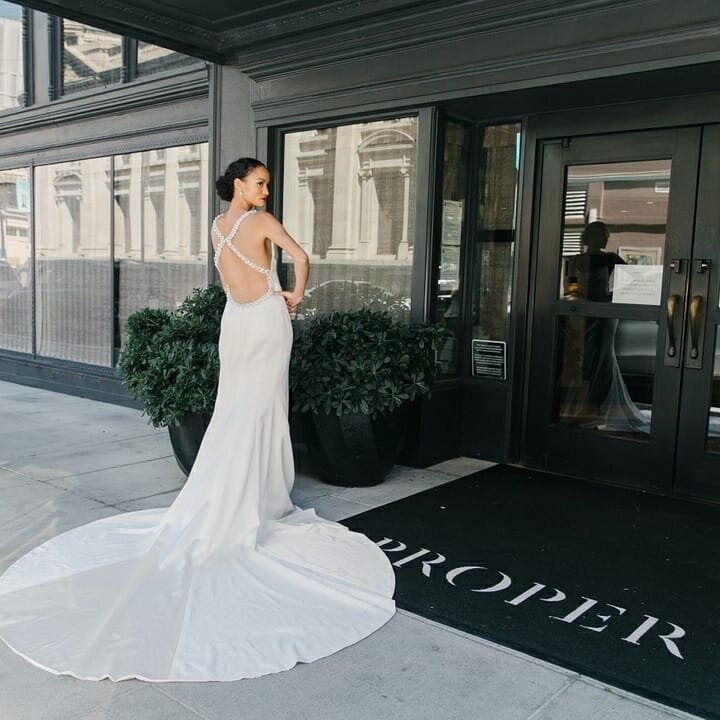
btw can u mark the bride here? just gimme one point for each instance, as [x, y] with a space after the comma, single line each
[231, 581]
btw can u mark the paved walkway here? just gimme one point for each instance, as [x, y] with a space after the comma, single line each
[65, 461]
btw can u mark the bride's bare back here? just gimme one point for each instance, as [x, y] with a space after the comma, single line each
[243, 282]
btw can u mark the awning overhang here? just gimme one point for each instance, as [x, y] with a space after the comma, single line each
[224, 31]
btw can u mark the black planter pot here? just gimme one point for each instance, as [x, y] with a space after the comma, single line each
[185, 439]
[352, 450]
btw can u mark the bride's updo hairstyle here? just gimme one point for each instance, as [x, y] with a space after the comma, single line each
[239, 169]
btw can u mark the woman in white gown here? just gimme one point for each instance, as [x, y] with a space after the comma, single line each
[231, 581]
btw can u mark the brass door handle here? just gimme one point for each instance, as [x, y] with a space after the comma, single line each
[695, 305]
[672, 303]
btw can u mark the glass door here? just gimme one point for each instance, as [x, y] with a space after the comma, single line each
[614, 243]
[697, 467]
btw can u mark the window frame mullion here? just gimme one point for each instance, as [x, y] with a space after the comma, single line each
[129, 70]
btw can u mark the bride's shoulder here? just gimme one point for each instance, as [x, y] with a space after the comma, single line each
[266, 219]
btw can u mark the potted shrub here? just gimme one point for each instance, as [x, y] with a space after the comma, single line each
[351, 374]
[170, 363]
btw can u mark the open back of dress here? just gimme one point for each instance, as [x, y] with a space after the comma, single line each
[231, 581]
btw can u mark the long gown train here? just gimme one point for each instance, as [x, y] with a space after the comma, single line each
[231, 581]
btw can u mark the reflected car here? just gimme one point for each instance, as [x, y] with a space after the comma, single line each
[351, 295]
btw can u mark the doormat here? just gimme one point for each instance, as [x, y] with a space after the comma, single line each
[612, 583]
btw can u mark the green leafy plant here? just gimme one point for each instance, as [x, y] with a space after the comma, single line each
[361, 362]
[170, 359]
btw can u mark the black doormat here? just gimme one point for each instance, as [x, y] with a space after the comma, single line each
[613, 583]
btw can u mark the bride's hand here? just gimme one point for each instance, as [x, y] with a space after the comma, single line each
[291, 300]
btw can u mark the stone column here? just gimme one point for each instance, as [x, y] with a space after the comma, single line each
[346, 205]
[367, 245]
[402, 251]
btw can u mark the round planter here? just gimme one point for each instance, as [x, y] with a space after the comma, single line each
[352, 450]
[185, 439]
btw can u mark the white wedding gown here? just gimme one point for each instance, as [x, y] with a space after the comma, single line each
[231, 581]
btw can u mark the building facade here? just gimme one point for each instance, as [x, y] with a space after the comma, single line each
[540, 178]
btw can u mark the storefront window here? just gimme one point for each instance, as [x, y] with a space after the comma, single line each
[15, 262]
[491, 289]
[73, 271]
[349, 200]
[112, 236]
[91, 57]
[477, 233]
[456, 159]
[12, 80]
[153, 59]
[161, 219]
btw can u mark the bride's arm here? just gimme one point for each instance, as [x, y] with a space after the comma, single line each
[277, 234]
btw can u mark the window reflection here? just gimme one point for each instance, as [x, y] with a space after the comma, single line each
[153, 203]
[456, 158]
[91, 57]
[15, 261]
[614, 231]
[606, 374]
[491, 290]
[12, 81]
[153, 59]
[161, 218]
[349, 200]
[72, 215]
[492, 235]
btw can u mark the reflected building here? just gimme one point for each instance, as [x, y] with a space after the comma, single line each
[121, 232]
[12, 82]
[349, 199]
[90, 56]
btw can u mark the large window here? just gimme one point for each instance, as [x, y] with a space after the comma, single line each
[12, 80]
[160, 216]
[111, 235]
[15, 261]
[349, 200]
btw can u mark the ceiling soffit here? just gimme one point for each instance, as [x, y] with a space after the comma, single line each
[219, 30]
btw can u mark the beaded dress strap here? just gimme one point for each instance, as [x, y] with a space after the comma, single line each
[226, 240]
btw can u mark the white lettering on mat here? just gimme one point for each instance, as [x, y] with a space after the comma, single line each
[485, 580]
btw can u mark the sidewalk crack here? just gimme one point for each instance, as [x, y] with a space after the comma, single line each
[565, 686]
[191, 709]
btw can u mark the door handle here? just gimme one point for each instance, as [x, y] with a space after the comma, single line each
[672, 303]
[695, 306]
[697, 312]
[678, 269]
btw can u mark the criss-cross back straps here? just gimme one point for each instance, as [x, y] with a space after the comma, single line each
[226, 241]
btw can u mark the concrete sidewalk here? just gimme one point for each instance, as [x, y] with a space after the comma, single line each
[65, 461]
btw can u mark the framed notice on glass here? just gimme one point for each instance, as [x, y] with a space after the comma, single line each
[637, 284]
[489, 359]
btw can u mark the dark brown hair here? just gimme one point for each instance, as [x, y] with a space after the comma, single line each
[239, 169]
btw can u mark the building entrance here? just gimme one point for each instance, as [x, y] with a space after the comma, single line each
[624, 376]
